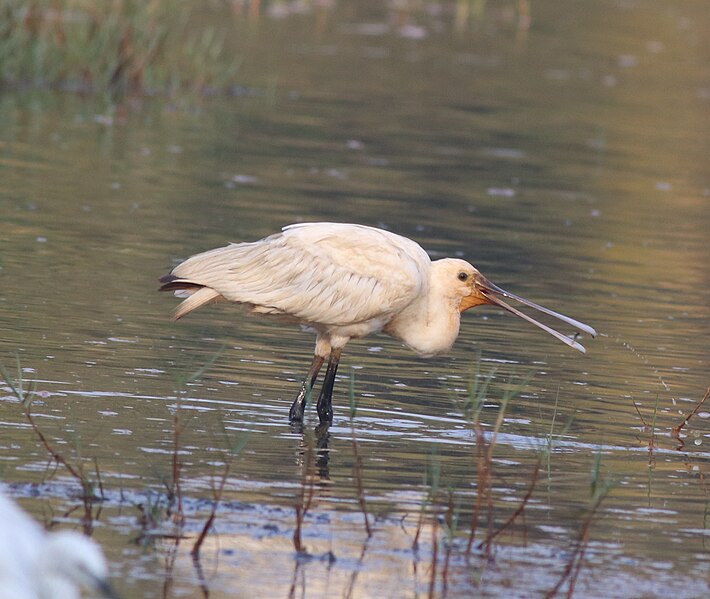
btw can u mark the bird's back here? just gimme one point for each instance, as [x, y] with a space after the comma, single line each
[324, 273]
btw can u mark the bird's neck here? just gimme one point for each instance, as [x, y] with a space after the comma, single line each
[430, 324]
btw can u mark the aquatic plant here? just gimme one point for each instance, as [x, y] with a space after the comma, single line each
[234, 447]
[357, 465]
[486, 543]
[431, 478]
[675, 432]
[114, 48]
[153, 511]
[484, 447]
[600, 486]
[304, 499]
[26, 396]
[451, 518]
[184, 374]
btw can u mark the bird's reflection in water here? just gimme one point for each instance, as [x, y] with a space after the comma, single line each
[322, 452]
[314, 451]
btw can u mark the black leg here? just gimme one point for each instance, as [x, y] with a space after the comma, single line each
[299, 405]
[324, 406]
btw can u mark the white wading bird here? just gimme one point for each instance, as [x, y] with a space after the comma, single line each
[35, 564]
[342, 282]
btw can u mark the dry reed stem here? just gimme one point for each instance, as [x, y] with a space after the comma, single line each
[675, 431]
[434, 557]
[175, 491]
[54, 454]
[420, 523]
[574, 564]
[204, 587]
[449, 546]
[304, 500]
[359, 486]
[98, 478]
[216, 498]
[356, 571]
[482, 483]
[357, 465]
[533, 482]
[170, 559]
[25, 398]
[87, 495]
[643, 420]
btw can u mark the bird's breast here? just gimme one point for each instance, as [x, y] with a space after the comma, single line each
[427, 334]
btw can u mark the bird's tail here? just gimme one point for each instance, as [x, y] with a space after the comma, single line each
[195, 295]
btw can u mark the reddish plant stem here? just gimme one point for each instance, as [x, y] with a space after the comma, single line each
[574, 564]
[675, 431]
[482, 483]
[216, 498]
[518, 511]
[175, 489]
[434, 556]
[449, 545]
[357, 467]
[60, 459]
[305, 498]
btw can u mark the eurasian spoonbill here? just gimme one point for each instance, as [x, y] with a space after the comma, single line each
[345, 281]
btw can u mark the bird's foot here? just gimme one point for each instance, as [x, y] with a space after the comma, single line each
[325, 411]
[298, 407]
[295, 414]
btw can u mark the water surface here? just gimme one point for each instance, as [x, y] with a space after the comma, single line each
[567, 160]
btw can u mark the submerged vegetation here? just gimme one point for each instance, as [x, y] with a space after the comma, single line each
[454, 527]
[161, 514]
[521, 152]
[76, 468]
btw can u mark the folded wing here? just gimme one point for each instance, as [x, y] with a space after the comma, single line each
[325, 273]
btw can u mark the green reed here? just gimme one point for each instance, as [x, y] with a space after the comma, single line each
[114, 47]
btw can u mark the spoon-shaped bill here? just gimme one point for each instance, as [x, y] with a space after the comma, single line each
[492, 292]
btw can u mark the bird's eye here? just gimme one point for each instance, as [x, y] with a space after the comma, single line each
[463, 276]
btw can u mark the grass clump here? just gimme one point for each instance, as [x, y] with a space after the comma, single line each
[472, 407]
[113, 47]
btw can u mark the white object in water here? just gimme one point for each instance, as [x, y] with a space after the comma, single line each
[36, 564]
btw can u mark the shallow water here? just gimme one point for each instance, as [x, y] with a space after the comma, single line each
[567, 161]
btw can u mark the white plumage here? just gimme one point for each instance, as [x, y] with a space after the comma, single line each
[314, 273]
[345, 281]
[35, 564]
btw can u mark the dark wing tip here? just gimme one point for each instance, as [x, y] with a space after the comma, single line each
[172, 283]
[167, 282]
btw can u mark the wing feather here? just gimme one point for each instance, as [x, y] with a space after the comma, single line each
[324, 273]
[196, 299]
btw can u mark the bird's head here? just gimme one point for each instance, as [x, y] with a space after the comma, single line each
[472, 289]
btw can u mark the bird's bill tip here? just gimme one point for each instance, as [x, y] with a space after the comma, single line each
[488, 293]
